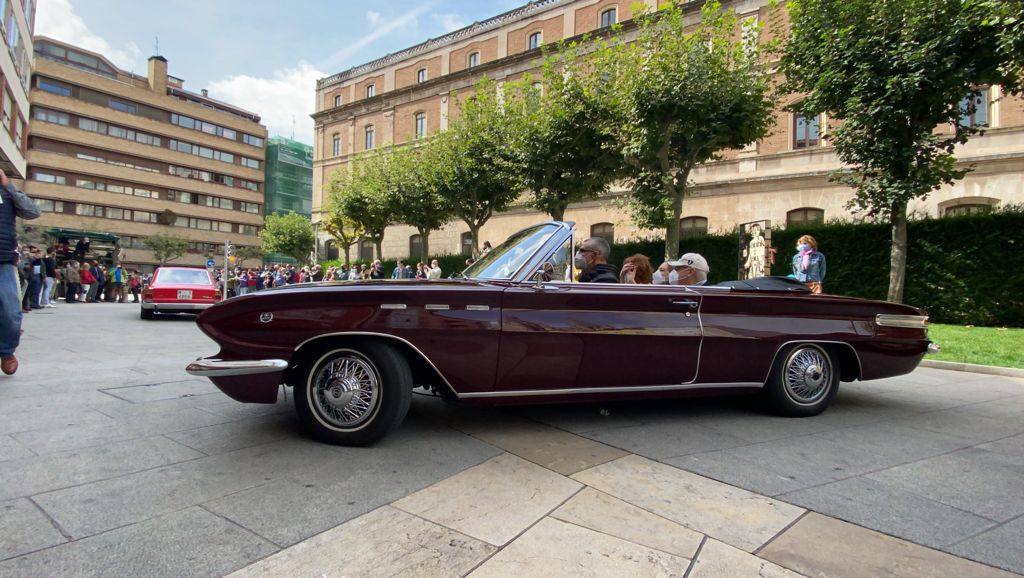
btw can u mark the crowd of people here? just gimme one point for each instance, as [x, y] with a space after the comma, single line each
[242, 281]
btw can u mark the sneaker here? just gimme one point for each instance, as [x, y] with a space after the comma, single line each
[9, 364]
[51, 306]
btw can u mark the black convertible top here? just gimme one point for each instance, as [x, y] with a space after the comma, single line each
[767, 284]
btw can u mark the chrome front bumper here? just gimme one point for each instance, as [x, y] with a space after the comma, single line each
[220, 368]
[175, 307]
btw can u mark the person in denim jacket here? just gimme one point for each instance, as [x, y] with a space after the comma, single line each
[808, 264]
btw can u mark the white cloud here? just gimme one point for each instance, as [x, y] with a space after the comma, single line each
[381, 29]
[373, 18]
[288, 94]
[450, 22]
[57, 19]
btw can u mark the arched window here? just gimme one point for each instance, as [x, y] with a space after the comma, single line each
[965, 210]
[337, 100]
[806, 131]
[415, 247]
[690, 227]
[330, 250]
[603, 230]
[962, 206]
[421, 124]
[535, 40]
[473, 60]
[371, 90]
[366, 250]
[466, 241]
[421, 75]
[368, 140]
[609, 17]
[336, 144]
[804, 216]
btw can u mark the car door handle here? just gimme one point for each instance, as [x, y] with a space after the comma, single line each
[686, 303]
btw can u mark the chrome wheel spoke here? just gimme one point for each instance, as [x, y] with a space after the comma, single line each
[807, 375]
[346, 389]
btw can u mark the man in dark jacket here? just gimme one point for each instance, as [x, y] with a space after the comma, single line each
[13, 203]
[592, 260]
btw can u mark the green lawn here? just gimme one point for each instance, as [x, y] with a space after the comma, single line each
[981, 345]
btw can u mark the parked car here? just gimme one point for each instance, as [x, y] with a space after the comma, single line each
[516, 329]
[178, 290]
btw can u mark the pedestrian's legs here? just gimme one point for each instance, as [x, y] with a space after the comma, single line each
[90, 292]
[35, 286]
[44, 296]
[86, 287]
[10, 310]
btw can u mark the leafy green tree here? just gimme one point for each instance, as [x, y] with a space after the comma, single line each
[340, 227]
[418, 190]
[680, 98]
[563, 152]
[476, 168]
[165, 247]
[248, 252]
[290, 234]
[895, 73]
[365, 194]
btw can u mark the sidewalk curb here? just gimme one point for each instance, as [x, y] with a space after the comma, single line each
[973, 368]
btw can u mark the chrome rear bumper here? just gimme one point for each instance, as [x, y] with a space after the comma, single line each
[220, 368]
[176, 307]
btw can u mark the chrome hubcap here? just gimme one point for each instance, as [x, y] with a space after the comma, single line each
[346, 390]
[807, 376]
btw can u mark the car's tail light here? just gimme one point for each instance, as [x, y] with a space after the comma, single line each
[147, 294]
[905, 321]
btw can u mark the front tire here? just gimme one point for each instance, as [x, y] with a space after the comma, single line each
[354, 396]
[803, 381]
[145, 313]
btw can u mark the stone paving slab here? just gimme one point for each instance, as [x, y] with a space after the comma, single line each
[556, 548]
[494, 501]
[384, 542]
[821, 546]
[12, 449]
[732, 515]
[548, 447]
[25, 528]
[162, 390]
[719, 560]
[1002, 546]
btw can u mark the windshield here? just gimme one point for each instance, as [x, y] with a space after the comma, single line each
[503, 261]
[183, 277]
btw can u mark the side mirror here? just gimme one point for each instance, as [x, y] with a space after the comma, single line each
[539, 277]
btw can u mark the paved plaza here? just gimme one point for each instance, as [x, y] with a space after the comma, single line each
[115, 462]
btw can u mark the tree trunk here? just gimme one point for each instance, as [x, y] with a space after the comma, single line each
[898, 253]
[378, 243]
[558, 213]
[424, 245]
[347, 250]
[676, 193]
[474, 231]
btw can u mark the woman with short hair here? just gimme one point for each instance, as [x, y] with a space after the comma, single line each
[637, 270]
[809, 264]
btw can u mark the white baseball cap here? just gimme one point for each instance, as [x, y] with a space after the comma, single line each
[691, 260]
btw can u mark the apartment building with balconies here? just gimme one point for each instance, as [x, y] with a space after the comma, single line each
[17, 20]
[113, 152]
[782, 178]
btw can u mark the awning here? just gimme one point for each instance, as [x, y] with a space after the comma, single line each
[76, 234]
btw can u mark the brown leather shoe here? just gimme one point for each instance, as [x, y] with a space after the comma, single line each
[9, 364]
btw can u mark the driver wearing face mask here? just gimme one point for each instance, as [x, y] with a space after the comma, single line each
[689, 269]
[592, 260]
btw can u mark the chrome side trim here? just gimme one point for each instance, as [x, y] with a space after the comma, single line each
[478, 307]
[860, 369]
[392, 305]
[625, 389]
[436, 307]
[219, 368]
[389, 336]
[909, 321]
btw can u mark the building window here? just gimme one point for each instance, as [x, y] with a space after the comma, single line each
[247, 162]
[966, 210]
[49, 178]
[690, 227]
[53, 86]
[366, 250]
[804, 216]
[371, 90]
[466, 242]
[252, 140]
[55, 117]
[50, 206]
[535, 40]
[421, 125]
[123, 106]
[806, 131]
[979, 102]
[331, 250]
[415, 247]
[421, 75]
[368, 140]
[604, 230]
[609, 17]
[336, 145]
[473, 60]
[8, 109]
[337, 100]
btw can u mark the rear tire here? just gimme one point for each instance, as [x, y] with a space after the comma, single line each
[803, 381]
[146, 313]
[353, 396]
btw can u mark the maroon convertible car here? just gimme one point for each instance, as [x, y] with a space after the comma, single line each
[514, 328]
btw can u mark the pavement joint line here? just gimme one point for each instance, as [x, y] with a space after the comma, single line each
[693, 561]
[989, 529]
[238, 525]
[596, 531]
[56, 524]
[782, 531]
[180, 443]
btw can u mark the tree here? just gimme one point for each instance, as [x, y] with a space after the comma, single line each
[365, 194]
[563, 152]
[680, 98]
[165, 247]
[896, 74]
[418, 190]
[339, 226]
[247, 252]
[290, 234]
[476, 167]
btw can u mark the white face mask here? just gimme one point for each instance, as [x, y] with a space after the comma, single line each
[673, 278]
[659, 278]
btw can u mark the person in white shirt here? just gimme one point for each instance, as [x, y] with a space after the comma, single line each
[435, 270]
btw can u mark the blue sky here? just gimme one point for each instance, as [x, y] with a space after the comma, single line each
[261, 55]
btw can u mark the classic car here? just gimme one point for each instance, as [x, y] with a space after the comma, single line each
[176, 289]
[514, 328]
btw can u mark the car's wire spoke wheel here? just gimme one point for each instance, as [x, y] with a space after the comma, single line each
[345, 389]
[807, 375]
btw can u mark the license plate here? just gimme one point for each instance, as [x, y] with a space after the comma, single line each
[184, 294]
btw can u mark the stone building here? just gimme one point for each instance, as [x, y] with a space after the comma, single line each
[17, 19]
[782, 178]
[129, 155]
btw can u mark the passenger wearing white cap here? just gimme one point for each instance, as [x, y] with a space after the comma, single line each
[689, 269]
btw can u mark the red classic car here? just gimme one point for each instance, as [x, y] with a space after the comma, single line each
[514, 328]
[178, 290]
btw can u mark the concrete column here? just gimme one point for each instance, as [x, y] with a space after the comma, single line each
[446, 58]
[569, 21]
[443, 121]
